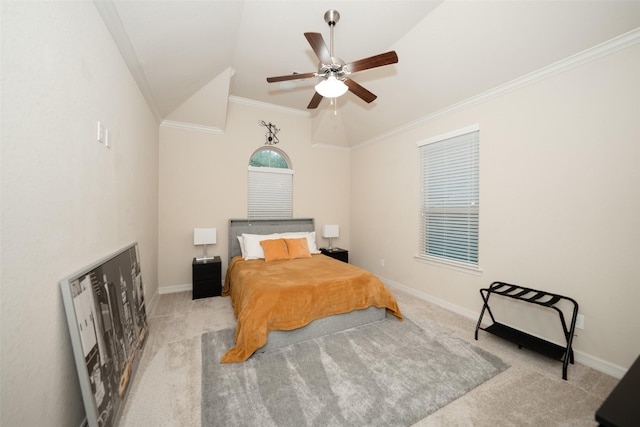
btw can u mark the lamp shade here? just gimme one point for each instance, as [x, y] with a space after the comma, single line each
[204, 236]
[331, 87]
[330, 231]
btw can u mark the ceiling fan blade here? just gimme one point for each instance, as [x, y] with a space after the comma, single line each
[290, 77]
[319, 47]
[360, 91]
[315, 101]
[373, 61]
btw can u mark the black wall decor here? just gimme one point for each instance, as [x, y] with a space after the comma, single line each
[272, 130]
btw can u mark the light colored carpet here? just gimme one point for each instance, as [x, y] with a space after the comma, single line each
[166, 390]
[386, 373]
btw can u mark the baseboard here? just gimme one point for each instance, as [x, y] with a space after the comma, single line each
[580, 357]
[430, 298]
[175, 288]
[153, 302]
[599, 364]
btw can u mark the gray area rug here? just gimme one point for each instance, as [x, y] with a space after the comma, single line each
[387, 373]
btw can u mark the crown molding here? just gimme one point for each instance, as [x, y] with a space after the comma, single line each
[191, 127]
[594, 53]
[266, 106]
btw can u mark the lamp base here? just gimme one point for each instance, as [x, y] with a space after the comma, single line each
[205, 257]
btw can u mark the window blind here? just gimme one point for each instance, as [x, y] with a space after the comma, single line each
[270, 193]
[450, 197]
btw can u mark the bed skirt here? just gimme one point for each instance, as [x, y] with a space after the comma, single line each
[323, 326]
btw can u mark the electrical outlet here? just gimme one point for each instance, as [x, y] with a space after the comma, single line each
[580, 321]
[381, 262]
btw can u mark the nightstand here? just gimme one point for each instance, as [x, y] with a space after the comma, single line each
[207, 278]
[336, 253]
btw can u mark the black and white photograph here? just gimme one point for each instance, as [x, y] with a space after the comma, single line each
[107, 322]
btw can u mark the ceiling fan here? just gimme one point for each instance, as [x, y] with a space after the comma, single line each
[333, 72]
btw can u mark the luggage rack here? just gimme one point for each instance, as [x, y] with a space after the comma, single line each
[523, 339]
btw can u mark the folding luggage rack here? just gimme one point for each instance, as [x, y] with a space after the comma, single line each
[523, 339]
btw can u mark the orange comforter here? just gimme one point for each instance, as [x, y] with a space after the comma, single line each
[288, 294]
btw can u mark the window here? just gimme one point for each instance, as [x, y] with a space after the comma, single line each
[270, 194]
[450, 197]
[269, 157]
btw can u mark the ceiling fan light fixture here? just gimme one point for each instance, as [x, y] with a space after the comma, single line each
[331, 87]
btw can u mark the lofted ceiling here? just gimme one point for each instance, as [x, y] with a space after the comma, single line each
[448, 50]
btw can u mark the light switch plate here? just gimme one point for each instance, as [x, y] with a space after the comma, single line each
[101, 133]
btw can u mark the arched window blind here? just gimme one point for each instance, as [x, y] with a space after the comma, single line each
[450, 196]
[270, 192]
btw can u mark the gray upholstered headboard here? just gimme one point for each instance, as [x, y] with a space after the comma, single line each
[264, 226]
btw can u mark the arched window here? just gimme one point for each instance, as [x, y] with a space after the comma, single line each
[270, 192]
[270, 157]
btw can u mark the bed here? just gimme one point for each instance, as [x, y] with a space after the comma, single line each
[278, 302]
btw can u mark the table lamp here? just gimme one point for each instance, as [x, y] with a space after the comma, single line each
[204, 236]
[330, 231]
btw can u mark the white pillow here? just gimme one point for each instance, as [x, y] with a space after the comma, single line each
[241, 243]
[311, 239]
[252, 247]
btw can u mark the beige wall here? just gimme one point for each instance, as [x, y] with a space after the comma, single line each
[203, 183]
[67, 201]
[559, 204]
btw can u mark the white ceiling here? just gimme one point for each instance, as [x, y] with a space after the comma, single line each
[448, 50]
